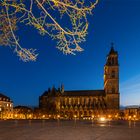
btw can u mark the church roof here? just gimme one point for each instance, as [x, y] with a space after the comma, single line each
[45, 93]
[112, 51]
[84, 93]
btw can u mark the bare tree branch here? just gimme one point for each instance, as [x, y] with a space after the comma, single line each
[45, 16]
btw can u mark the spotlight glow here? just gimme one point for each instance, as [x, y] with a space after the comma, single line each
[102, 119]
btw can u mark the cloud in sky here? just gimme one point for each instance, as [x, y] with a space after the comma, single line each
[130, 91]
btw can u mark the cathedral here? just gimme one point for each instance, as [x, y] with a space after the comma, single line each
[86, 103]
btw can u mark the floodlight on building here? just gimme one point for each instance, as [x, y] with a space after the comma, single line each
[109, 116]
[102, 119]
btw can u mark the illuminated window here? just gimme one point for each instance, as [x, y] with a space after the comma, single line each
[78, 101]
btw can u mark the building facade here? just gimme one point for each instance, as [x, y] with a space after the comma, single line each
[86, 103]
[6, 107]
[22, 112]
[132, 113]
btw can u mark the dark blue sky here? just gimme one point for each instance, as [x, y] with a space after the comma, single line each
[115, 21]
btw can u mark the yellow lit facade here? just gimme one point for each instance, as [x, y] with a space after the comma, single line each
[132, 113]
[6, 107]
[22, 112]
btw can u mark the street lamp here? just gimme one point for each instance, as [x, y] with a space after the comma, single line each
[129, 121]
[129, 117]
[16, 116]
[58, 116]
[0, 112]
[109, 116]
[92, 119]
[134, 116]
[75, 120]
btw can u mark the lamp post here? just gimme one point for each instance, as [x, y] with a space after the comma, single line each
[92, 119]
[0, 112]
[16, 121]
[43, 120]
[129, 121]
[134, 120]
[109, 116]
[134, 117]
[58, 119]
[75, 120]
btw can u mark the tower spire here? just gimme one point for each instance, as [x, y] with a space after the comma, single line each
[112, 44]
[112, 51]
[62, 88]
[111, 79]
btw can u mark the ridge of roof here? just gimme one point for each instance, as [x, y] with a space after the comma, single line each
[4, 96]
[84, 93]
[83, 90]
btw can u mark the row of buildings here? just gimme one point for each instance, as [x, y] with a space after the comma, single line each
[58, 103]
[7, 111]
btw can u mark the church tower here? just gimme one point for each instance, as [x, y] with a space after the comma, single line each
[111, 80]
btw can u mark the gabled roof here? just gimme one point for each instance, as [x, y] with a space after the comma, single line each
[133, 107]
[22, 107]
[84, 93]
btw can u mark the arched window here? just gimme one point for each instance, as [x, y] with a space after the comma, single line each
[113, 90]
[112, 60]
[109, 61]
[113, 74]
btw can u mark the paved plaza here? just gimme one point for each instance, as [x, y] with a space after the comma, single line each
[68, 130]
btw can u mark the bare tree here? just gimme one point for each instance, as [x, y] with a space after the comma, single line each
[45, 16]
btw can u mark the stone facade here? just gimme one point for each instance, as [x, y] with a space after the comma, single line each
[22, 112]
[86, 103]
[6, 107]
[132, 113]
